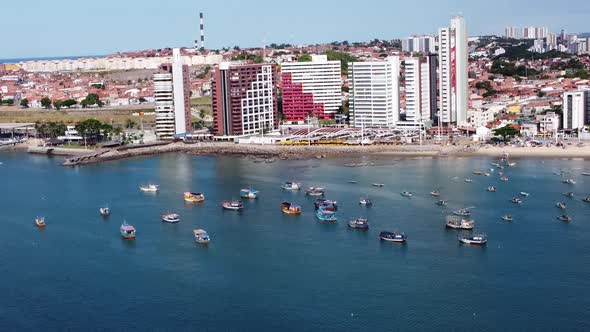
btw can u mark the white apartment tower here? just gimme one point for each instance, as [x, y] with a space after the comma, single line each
[420, 77]
[453, 68]
[512, 32]
[423, 44]
[172, 98]
[320, 77]
[374, 93]
[576, 109]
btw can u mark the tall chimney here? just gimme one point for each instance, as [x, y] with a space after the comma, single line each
[202, 31]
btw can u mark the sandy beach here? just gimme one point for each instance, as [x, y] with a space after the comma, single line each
[316, 152]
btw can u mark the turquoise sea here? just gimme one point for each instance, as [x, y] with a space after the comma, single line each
[266, 271]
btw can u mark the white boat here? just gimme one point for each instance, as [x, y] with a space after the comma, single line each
[478, 240]
[516, 200]
[504, 178]
[587, 200]
[511, 164]
[569, 181]
[406, 194]
[380, 185]
[291, 186]
[393, 237]
[565, 218]
[150, 188]
[561, 205]
[468, 180]
[435, 193]
[104, 211]
[315, 191]
[466, 212]
[507, 218]
[491, 189]
[456, 222]
[524, 194]
[586, 174]
[171, 218]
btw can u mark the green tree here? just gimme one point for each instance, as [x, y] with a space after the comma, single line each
[507, 133]
[92, 99]
[69, 103]
[305, 58]
[57, 104]
[24, 103]
[90, 129]
[46, 102]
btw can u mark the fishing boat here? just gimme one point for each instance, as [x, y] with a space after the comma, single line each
[352, 182]
[524, 194]
[435, 193]
[466, 212]
[456, 222]
[586, 199]
[406, 194]
[127, 231]
[104, 211]
[504, 178]
[569, 181]
[171, 218]
[511, 164]
[315, 191]
[194, 197]
[326, 205]
[477, 172]
[442, 203]
[326, 215]
[491, 189]
[366, 201]
[495, 164]
[468, 180]
[487, 174]
[507, 218]
[359, 223]
[586, 174]
[291, 186]
[201, 236]
[152, 188]
[569, 194]
[232, 205]
[561, 205]
[40, 221]
[380, 185]
[289, 208]
[478, 240]
[516, 200]
[249, 193]
[565, 218]
[393, 237]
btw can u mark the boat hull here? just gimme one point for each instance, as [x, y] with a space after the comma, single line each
[473, 243]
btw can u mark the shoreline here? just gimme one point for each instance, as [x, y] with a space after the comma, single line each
[83, 157]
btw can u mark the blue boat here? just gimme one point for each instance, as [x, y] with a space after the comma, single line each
[249, 193]
[326, 215]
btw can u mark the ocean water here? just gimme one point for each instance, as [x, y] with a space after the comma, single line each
[267, 271]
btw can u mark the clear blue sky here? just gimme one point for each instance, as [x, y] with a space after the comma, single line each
[40, 28]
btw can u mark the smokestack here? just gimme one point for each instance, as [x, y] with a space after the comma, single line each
[202, 31]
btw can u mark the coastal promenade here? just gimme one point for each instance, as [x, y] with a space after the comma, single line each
[318, 151]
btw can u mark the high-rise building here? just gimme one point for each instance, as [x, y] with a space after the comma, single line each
[453, 69]
[551, 41]
[420, 84]
[172, 98]
[311, 88]
[374, 93]
[244, 98]
[422, 44]
[534, 32]
[512, 32]
[576, 109]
